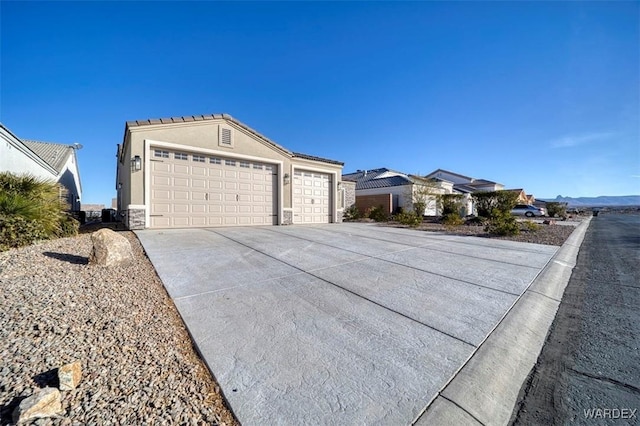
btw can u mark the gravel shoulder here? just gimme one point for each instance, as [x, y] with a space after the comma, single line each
[138, 362]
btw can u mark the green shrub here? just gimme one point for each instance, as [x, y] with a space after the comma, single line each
[32, 205]
[450, 203]
[409, 218]
[16, 231]
[351, 213]
[452, 219]
[555, 209]
[378, 214]
[419, 207]
[530, 226]
[69, 226]
[502, 223]
[489, 201]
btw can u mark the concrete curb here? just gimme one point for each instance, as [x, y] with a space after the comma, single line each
[485, 389]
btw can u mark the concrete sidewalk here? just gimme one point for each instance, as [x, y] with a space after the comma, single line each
[349, 323]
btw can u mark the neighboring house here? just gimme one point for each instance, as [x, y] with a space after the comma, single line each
[392, 190]
[213, 170]
[466, 185]
[52, 161]
[522, 196]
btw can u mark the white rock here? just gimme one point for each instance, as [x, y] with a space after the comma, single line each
[109, 248]
[44, 403]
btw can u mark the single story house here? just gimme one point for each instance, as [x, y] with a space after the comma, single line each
[393, 190]
[213, 170]
[465, 185]
[52, 161]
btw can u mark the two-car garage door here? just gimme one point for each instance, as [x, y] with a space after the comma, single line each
[192, 190]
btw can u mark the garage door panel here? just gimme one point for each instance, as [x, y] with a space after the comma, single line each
[181, 168]
[181, 182]
[198, 183]
[198, 190]
[311, 198]
[157, 166]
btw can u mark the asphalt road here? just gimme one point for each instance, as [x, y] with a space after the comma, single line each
[589, 369]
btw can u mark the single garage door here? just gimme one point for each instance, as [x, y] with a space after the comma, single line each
[195, 190]
[311, 199]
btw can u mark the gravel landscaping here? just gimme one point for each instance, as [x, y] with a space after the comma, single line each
[555, 234]
[138, 363]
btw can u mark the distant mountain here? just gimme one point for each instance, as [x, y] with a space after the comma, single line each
[621, 200]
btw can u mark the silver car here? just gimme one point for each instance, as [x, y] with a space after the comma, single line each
[528, 210]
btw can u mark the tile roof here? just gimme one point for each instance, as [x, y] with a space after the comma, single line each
[369, 179]
[314, 158]
[54, 154]
[205, 117]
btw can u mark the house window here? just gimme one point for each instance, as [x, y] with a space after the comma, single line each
[180, 156]
[160, 153]
[214, 160]
[198, 158]
[245, 165]
[229, 162]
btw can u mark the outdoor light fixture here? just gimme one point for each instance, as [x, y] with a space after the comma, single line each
[136, 163]
[287, 178]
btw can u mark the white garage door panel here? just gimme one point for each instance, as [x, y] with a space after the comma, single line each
[311, 200]
[190, 190]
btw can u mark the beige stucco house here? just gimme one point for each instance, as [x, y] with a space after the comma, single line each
[393, 190]
[213, 170]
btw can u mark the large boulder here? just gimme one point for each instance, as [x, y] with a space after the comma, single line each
[109, 248]
[44, 402]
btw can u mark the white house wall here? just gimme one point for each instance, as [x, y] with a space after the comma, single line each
[17, 158]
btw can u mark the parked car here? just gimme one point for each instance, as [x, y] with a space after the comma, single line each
[528, 210]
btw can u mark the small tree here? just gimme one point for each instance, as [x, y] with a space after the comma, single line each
[450, 205]
[497, 205]
[423, 194]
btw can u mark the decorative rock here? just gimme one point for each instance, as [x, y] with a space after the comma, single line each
[109, 248]
[69, 375]
[44, 403]
[549, 222]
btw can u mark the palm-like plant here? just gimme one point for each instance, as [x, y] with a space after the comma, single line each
[33, 200]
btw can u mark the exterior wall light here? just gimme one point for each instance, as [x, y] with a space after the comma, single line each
[136, 163]
[287, 178]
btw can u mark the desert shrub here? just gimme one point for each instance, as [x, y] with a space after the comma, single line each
[555, 209]
[16, 231]
[378, 214]
[450, 203]
[530, 226]
[489, 201]
[33, 205]
[502, 223]
[409, 218]
[452, 219]
[69, 226]
[419, 207]
[351, 213]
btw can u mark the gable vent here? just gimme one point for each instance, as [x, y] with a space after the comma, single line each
[225, 136]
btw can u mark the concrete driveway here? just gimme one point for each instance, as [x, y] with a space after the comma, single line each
[338, 324]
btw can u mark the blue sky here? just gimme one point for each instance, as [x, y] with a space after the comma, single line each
[543, 96]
